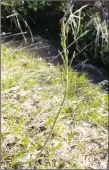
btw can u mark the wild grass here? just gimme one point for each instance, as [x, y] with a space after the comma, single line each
[39, 122]
[78, 20]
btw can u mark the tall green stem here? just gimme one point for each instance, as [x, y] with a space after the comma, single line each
[65, 62]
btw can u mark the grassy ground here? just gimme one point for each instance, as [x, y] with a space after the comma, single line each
[32, 91]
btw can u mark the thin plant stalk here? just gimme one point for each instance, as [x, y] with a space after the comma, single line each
[65, 62]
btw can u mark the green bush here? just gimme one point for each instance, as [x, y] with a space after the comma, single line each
[29, 11]
[20, 8]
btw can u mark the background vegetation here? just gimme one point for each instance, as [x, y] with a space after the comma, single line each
[45, 17]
